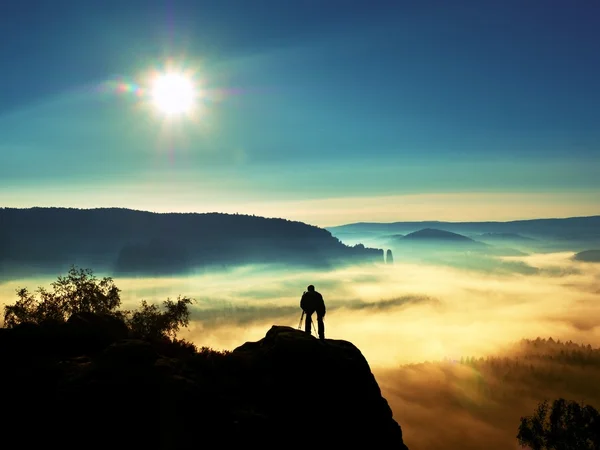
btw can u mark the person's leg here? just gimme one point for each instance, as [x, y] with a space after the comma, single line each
[321, 326]
[308, 323]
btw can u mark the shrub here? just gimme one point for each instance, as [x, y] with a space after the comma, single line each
[80, 291]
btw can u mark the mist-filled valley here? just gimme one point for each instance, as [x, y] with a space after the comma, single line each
[444, 339]
[300, 223]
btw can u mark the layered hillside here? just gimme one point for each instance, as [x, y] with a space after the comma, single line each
[565, 234]
[121, 241]
[432, 234]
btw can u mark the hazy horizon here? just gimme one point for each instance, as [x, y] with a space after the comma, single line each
[395, 112]
[452, 218]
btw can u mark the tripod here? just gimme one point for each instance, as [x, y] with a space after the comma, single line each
[312, 323]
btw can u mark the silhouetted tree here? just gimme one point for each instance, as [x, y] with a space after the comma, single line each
[150, 322]
[566, 426]
[79, 291]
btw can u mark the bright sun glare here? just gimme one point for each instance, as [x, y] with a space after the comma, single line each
[173, 93]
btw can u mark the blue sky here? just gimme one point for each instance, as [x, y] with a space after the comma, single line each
[314, 110]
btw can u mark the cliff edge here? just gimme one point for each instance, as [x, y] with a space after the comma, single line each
[86, 383]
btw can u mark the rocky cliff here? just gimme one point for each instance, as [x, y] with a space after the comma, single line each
[87, 384]
[389, 257]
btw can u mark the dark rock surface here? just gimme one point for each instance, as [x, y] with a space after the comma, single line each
[588, 256]
[67, 387]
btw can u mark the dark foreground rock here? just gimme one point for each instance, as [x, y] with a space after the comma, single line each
[62, 388]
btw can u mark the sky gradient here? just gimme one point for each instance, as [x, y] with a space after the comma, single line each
[325, 112]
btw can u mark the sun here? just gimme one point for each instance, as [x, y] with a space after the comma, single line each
[173, 93]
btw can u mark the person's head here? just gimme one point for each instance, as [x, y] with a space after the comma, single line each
[310, 288]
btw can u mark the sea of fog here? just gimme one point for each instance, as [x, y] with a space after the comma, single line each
[395, 314]
[406, 318]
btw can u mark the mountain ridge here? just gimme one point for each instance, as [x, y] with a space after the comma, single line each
[583, 230]
[450, 222]
[436, 234]
[122, 241]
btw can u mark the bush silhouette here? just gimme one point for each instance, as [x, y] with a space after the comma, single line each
[151, 323]
[77, 292]
[80, 291]
[568, 426]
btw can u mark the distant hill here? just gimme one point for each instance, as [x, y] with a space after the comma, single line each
[395, 236]
[128, 242]
[432, 239]
[588, 256]
[572, 228]
[429, 244]
[504, 237]
[432, 234]
[572, 234]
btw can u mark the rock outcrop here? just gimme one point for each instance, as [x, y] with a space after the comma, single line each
[73, 386]
[389, 257]
[324, 389]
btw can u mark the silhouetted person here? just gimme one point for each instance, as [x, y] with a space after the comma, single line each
[311, 302]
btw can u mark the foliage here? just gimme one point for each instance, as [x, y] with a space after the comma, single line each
[79, 291]
[568, 426]
[150, 322]
[535, 356]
